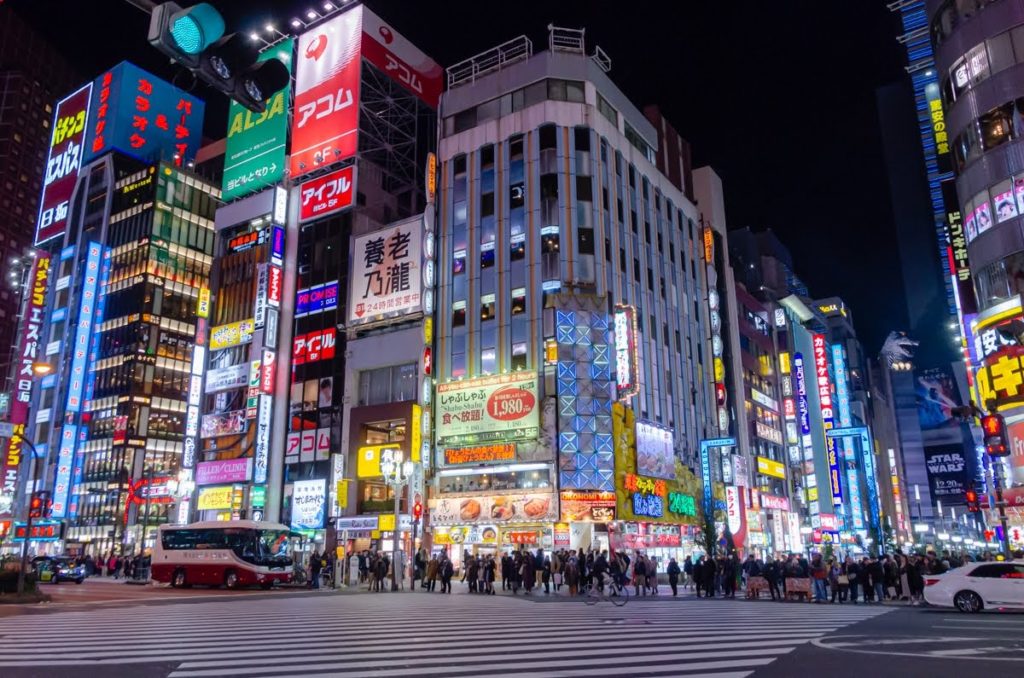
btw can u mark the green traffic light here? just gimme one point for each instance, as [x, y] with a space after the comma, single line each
[197, 28]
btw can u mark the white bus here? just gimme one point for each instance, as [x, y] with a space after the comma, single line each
[215, 553]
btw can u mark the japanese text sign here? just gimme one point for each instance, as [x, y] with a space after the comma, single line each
[64, 158]
[328, 194]
[385, 275]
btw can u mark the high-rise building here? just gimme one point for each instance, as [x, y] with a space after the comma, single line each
[978, 47]
[128, 237]
[572, 313]
[32, 74]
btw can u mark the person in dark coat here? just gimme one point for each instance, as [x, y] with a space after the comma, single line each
[730, 568]
[688, 572]
[673, 575]
[506, 572]
[698, 575]
[528, 573]
[772, 574]
[710, 570]
[315, 564]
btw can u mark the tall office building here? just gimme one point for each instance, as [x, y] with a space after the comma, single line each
[128, 239]
[32, 75]
[573, 362]
[979, 46]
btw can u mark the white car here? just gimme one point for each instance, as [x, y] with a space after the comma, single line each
[977, 586]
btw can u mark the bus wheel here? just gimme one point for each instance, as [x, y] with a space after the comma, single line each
[178, 580]
[231, 580]
[267, 585]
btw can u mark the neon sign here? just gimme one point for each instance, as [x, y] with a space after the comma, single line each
[626, 359]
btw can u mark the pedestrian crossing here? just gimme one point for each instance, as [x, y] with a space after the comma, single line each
[418, 634]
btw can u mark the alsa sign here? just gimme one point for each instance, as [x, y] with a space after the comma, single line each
[328, 194]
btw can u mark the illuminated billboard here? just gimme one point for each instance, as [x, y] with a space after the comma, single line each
[140, 115]
[824, 384]
[385, 278]
[327, 76]
[496, 408]
[254, 154]
[627, 369]
[67, 146]
[329, 194]
[326, 105]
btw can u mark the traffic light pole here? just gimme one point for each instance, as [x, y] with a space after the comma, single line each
[997, 478]
[28, 520]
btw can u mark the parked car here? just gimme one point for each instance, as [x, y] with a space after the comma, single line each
[977, 586]
[54, 570]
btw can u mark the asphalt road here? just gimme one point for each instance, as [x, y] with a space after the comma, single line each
[285, 633]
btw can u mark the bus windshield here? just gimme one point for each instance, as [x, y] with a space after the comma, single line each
[273, 544]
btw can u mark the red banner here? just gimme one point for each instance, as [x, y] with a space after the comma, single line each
[389, 51]
[326, 111]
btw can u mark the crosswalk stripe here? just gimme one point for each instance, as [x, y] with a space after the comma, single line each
[464, 636]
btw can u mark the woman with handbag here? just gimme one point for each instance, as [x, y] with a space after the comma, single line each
[839, 581]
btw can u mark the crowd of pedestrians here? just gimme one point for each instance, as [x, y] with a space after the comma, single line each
[891, 577]
[113, 565]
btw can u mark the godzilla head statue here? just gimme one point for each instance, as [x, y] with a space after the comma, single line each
[898, 347]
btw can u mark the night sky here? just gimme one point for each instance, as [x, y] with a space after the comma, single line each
[778, 97]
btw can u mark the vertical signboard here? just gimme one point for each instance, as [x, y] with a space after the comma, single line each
[254, 154]
[627, 370]
[62, 480]
[67, 145]
[87, 306]
[326, 110]
[824, 385]
[308, 500]
[259, 474]
[29, 349]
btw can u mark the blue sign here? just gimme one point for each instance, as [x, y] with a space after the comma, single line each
[83, 333]
[316, 299]
[139, 114]
[842, 389]
[705, 467]
[65, 458]
[801, 399]
[277, 245]
[650, 505]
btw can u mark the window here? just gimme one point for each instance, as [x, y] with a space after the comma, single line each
[388, 384]
[459, 314]
[518, 301]
[606, 109]
[585, 240]
[519, 356]
[487, 307]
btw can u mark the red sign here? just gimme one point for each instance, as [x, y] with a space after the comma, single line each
[829, 522]
[521, 537]
[64, 159]
[120, 429]
[274, 283]
[386, 49]
[244, 241]
[770, 501]
[268, 369]
[328, 194]
[309, 348]
[326, 109]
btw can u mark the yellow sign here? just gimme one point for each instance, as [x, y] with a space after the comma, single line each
[719, 370]
[215, 498]
[784, 366]
[342, 491]
[431, 177]
[709, 244]
[428, 331]
[203, 307]
[374, 534]
[386, 522]
[232, 334]
[416, 436]
[368, 463]
[812, 494]
[771, 468]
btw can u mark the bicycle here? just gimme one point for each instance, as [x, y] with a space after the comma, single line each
[618, 597]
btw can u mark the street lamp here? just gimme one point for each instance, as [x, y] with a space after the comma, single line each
[396, 473]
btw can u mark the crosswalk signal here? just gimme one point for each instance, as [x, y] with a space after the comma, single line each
[994, 432]
[194, 37]
[972, 501]
[40, 505]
